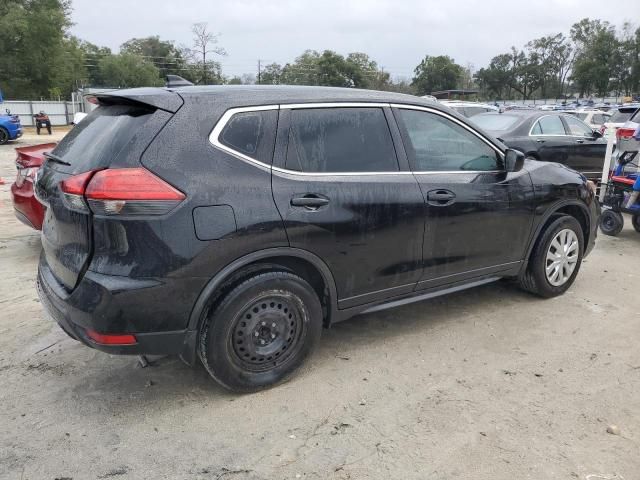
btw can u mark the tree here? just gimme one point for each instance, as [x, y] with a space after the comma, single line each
[164, 54]
[32, 46]
[555, 56]
[436, 73]
[597, 58]
[126, 70]
[204, 43]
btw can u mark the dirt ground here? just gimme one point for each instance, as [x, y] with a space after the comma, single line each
[490, 383]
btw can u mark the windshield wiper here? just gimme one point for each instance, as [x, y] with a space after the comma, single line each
[54, 158]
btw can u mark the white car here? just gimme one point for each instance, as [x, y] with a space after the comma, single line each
[594, 118]
[620, 116]
[469, 109]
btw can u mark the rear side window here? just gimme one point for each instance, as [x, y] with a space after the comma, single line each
[98, 139]
[497, 121]
[251, 133]
[323, 140]
[549, 125]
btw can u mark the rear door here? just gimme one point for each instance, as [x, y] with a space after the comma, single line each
[345, 196]
[587, 151]
[112, 135]
[550, 136]
[478, 216]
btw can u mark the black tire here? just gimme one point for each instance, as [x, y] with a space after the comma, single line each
[4, 135]
[611, 222]
[635, 221]
[261, 331]
[535, 280]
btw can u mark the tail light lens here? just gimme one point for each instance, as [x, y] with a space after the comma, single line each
[120, 191]
[111, 339]
[625, 133]
[602, 130]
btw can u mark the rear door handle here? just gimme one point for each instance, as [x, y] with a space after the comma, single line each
[440, 198]
[579, 140]
[540, 140]
[310, 201]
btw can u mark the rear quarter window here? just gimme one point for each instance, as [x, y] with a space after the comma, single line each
[251, 133]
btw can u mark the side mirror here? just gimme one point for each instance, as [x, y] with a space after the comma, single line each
[596, 134]
[514, 160]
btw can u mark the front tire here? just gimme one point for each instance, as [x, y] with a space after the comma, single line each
[556, 259]
[611, 222]
[635, 220]
[261, 332]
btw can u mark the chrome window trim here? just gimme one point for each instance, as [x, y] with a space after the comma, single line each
[217, 130]
[224, 119]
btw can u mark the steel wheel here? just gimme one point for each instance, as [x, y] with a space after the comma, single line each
[562, 257]
[267, 332]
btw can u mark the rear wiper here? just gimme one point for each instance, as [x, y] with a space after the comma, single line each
[54, 158]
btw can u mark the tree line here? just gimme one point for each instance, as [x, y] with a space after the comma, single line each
[39, 58]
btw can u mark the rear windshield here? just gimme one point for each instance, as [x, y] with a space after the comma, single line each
[496, 122]
[621, 116]
[98, 139]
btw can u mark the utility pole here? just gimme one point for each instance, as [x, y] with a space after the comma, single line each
[259, 71]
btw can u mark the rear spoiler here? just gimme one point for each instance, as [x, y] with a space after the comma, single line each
[154, 97]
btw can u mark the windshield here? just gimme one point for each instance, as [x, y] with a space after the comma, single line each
[497, 122]
[621, 116]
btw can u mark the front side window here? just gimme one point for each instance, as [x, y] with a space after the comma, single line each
[251, 133]
[549, 125]
[578, 128]
[325, 140]
[435, 143]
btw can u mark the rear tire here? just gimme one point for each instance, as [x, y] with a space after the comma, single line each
[611, 222]
[261, 332]
[556, 258]
[635, 220]
[4, 136]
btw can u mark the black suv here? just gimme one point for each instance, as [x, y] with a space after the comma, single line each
[232, 224]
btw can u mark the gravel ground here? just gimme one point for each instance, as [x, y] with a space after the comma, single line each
[491, 383]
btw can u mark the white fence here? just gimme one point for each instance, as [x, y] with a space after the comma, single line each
[60, 113]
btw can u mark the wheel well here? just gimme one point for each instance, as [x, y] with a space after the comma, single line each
[295, 265]
[533, 155]
[577, 213]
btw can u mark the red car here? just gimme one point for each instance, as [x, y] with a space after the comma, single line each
[27, 208]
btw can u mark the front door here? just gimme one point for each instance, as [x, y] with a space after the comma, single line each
[344, 196]
[478, 216]
[587, 151]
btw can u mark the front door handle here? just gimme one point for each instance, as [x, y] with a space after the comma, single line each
[310, 201]
[579, 140]
[440, 198]
[540, 140]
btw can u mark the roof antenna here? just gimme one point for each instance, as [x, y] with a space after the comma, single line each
[177, 81]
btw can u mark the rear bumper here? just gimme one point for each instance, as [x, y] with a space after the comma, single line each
[27, 208]
[96, 304]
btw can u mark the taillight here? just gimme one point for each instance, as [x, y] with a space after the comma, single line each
[120, 191]
[625, 133]
[602, 130]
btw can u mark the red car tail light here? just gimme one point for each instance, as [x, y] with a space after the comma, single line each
[112, 339]
[121, 191]
[625, 133]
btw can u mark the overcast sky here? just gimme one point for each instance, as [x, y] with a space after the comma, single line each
[397, 34]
